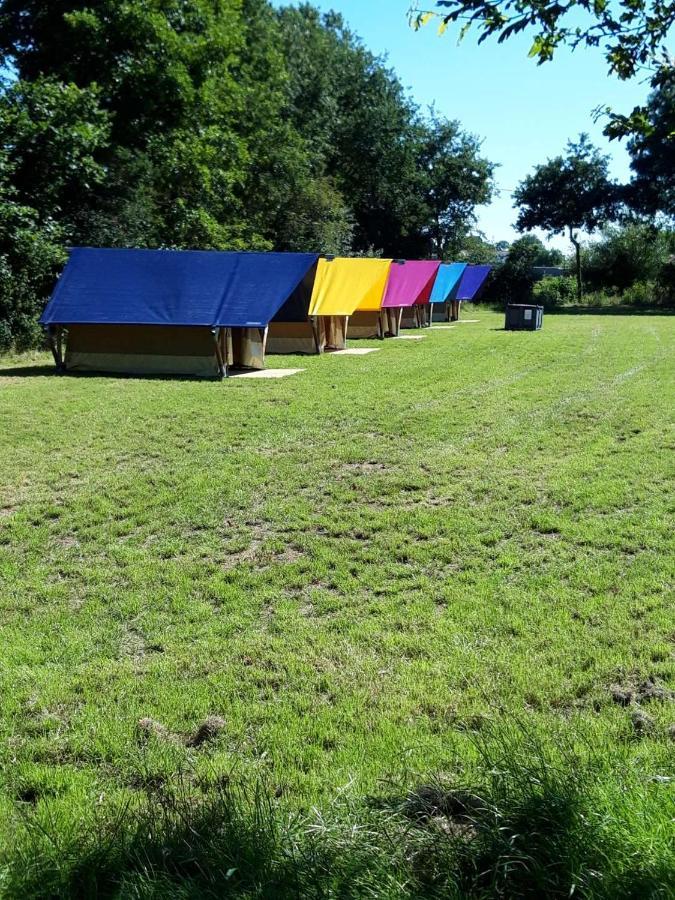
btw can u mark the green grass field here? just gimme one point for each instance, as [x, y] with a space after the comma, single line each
[362, 570]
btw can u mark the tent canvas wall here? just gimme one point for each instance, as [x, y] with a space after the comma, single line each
[445, 288]
[181, 312]
[320, 322]
[410, 283]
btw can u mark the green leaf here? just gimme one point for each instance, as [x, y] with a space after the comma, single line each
[536, 47]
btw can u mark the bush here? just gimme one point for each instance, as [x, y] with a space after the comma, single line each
[31, 254]
[555, 291]
[626, 256]
[642, 293]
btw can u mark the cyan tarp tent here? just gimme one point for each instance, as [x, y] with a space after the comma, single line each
[473, 280]
[170, 311]
[445, 287]
[447, 282]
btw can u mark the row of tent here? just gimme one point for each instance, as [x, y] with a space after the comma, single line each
[204, 312]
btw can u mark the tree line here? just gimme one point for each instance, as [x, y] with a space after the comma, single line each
[220, 124]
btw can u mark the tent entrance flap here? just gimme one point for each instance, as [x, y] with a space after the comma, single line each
[333, 331]
[142, 350]
[365, 324]
[415, 316]
[390, 321]
[244, 348]
[293, 337]
[441, 312]
[410, 317]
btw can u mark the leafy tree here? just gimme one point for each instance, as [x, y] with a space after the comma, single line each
[195, 91]
[568, 193]
[50, 135]
[514, 280]
[456, 180]
[633, 34]
[30, 254]
[652, 151]
[411, 182]
[54, 133]
[477, 250]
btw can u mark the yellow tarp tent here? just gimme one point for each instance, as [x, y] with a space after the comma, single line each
[365, 321]
[341, 286]
[346, 287]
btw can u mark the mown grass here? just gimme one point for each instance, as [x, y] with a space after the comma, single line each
[362, 574]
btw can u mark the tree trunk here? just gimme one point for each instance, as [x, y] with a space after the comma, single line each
[577, 250]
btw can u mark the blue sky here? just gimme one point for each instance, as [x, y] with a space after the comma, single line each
[523, 112]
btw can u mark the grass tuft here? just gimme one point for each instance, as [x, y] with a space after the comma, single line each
[534, 822]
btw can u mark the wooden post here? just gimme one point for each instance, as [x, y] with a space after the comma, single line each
[55, 335]
[220, 359]
[315, 331]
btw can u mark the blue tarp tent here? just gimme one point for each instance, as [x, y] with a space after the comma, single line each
[170, 311]
[445, 288]
[473, 280]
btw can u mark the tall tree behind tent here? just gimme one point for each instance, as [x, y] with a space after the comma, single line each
[411, 183]
[201, 152]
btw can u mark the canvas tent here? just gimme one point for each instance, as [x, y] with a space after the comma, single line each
[178, 312]
[472, 282]
[366, 320]
[445, 289]
[317, 320]
[410, 284]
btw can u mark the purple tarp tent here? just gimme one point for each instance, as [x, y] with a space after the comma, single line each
[410, 284]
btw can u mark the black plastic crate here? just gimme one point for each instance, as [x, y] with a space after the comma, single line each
[523, 317]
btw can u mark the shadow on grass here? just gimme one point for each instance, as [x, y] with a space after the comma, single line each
[536, 826]
[609, 311]
[28, 371]
[42, 371]
[592, 310]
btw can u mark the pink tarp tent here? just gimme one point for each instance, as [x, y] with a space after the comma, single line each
[410, 284]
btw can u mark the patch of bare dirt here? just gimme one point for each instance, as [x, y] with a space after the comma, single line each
[208, 731]
[364, 468]
[134, 646]
[455, 812]
[289, 554]
[260, 533]
[640, 692]
[66, 541]
[148, 727]
[642, 722]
